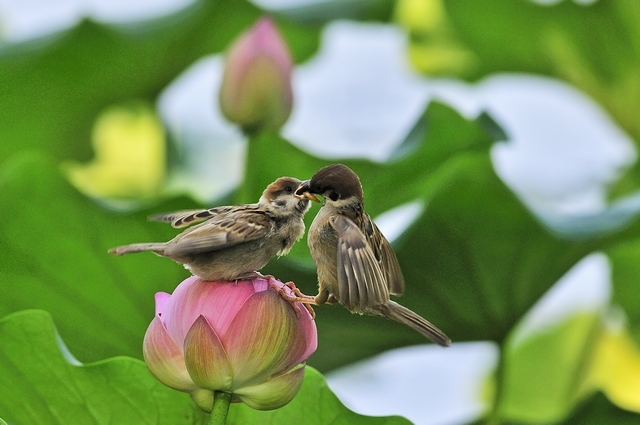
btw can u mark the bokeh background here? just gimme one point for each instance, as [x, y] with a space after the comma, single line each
[496, 143]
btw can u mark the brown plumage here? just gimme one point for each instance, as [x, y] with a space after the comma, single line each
[233, 242]
[356, 264]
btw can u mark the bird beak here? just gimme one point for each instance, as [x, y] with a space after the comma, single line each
[303, 192]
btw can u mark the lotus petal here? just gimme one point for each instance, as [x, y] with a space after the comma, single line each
[274, 393]
[164, 358]
[264, 339]
[206, 358]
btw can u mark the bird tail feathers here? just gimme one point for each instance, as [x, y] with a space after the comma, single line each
[403, 315]
[158, 248]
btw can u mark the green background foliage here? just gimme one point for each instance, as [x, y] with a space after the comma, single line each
[49, 388]
[476, 260]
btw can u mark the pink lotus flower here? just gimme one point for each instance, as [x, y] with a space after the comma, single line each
[241, 338]
[256, 85]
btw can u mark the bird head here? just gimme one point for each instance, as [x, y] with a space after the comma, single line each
[280, 196]
[337, 183]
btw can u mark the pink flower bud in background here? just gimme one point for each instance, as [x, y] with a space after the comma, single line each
[256, 86]
[241, 338]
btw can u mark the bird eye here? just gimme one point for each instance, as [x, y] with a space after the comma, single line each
[288, 189]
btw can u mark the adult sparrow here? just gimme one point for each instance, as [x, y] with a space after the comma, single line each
[235, 241]
[356, 264]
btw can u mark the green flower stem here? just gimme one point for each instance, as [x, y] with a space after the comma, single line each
[249, 188]
[221, 402]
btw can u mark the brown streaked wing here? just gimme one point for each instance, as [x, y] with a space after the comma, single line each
[171, 217]
[186, 218]
[388, 262]
[384, 254]
[221, 232]
[360, 280]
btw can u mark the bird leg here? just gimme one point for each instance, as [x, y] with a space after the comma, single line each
[254, 275]
[264, 276]
[293, 296]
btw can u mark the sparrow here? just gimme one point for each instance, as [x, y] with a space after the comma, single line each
[356, 264]
[233, 242]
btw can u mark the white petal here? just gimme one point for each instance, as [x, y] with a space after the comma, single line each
[358, 96]
[424, 383]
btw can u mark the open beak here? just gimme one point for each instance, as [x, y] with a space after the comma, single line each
[303, 192]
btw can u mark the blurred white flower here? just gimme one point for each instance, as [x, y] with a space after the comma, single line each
[424, 383]
[358, 97]
[22, 20]
[586, 288]
[210, 149]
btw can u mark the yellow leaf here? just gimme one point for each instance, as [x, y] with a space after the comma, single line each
[440, 59]
[542, 371]
[420, 14]
[130, 156]
[434, 46]
[616, 369]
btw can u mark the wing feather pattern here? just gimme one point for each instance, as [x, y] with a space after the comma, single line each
[360, 280]
[177, 217]
[220, 233]
[384, 254]
[186, 218]
[389, 263]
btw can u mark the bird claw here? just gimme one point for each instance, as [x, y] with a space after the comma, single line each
[306, 300]
[297, 297]
[253, 275]
[268, 277]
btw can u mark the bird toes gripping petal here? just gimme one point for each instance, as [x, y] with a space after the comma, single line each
[290, 293]
[268, 277]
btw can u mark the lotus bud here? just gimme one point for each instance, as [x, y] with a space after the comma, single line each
[241, 338]
[256, 85]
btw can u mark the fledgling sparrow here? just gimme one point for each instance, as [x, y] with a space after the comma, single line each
[356, 264]
[235, 241]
